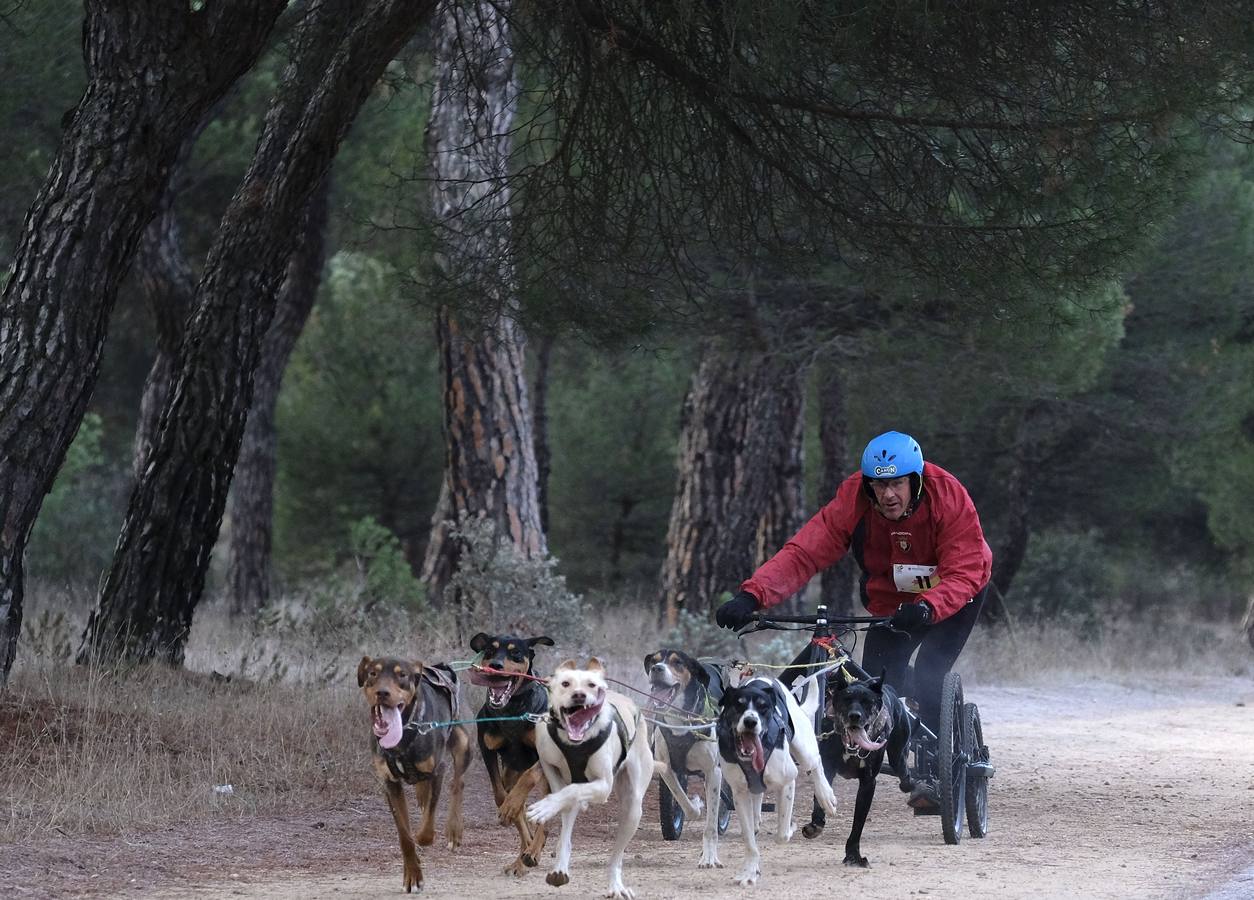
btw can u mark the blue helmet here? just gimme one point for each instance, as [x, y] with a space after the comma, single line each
[892, 455]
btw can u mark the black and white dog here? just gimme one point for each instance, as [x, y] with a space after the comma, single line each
[681, 692]
[766, 740]
[868, 722]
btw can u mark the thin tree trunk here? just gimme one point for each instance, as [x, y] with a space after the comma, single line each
[544, 458]
[735, 420]
[1012, 549]
[490, 464]
[150, 594]
[782, 516]
[168, 286]
[252, 495]
[154, 70]
[838, 580]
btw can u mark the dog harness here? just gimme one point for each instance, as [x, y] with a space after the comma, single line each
[778, 727]
[400, 759]
[577, 755]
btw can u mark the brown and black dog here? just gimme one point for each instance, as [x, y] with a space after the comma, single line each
[402, 696]
[509, 747]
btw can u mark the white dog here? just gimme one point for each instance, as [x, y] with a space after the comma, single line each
[766, 740]
[593, 743]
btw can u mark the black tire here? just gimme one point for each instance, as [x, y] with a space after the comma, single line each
[669, 810]
[725, 807]
[977, 785]
[951, 759]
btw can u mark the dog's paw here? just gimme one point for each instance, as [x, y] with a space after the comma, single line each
[784, 833]
[621, 892]
[748, 876]
[827, 800]
[709, 860]
[698, 806]
[509, 809]
[413, 878]
[518, 868]
[543, 809]
[529, 861]
[852, 859]
[557, 879]
[811, 830]
[906, 785]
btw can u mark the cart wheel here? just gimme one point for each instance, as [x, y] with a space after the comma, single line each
[977, 784]
[670, 812]
[951, 759]
[725, 807]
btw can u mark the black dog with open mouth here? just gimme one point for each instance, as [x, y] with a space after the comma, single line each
[868, 722]
[509, 747]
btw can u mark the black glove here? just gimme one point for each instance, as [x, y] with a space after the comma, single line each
[911, 616]
[736, 611]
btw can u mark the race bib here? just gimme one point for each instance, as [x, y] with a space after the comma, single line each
[914, 579]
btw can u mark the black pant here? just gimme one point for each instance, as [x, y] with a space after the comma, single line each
[939, 646]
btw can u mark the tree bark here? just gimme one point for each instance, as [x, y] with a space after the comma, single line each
[490, 464]
[146, 606]
[739, 414]
[837, 581]
[154, 69]
[252, 495]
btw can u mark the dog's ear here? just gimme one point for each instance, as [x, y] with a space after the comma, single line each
[361, 670]
[877, 683]
[480, 642]
[594, 665]
[699, 672]
[651, 659]
[542, 639]
[415, 668]
[566, 664]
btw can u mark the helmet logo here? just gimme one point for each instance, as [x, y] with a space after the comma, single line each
[881, 471]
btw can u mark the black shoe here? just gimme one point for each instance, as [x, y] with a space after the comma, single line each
[924, 799]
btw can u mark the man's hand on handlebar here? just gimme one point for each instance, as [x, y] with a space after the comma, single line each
[736, 612]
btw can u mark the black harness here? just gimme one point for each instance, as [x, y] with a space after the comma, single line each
[402, 759]
[777, 727]
[678, 743]
[577, 755]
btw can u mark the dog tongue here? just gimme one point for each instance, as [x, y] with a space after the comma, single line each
[754, 743]
[578, 721]
[387, 726]
[857, 736]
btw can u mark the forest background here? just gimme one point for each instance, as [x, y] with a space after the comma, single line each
[1097, 407]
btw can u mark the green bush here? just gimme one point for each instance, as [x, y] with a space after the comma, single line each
[497, 586]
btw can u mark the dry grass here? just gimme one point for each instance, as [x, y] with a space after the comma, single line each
[276, 714]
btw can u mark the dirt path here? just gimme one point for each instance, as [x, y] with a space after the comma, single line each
[1102, 790]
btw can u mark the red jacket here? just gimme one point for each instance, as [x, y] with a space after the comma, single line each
[943, 531]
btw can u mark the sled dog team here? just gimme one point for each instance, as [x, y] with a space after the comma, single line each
[573, 741]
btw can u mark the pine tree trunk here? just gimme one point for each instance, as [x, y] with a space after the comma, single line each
[154, 69]
[150, 594]
[490, 463]
[252, 495]
[739, 414]
[837, 581]
[782, 515]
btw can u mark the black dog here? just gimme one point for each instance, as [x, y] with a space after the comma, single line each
[867, 723]
[509, 747]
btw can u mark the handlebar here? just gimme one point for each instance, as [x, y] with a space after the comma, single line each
[817, 621]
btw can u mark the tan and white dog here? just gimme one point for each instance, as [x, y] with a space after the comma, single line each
[594, 742]
[766, 741]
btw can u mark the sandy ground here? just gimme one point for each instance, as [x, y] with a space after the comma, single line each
[1102, 790]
